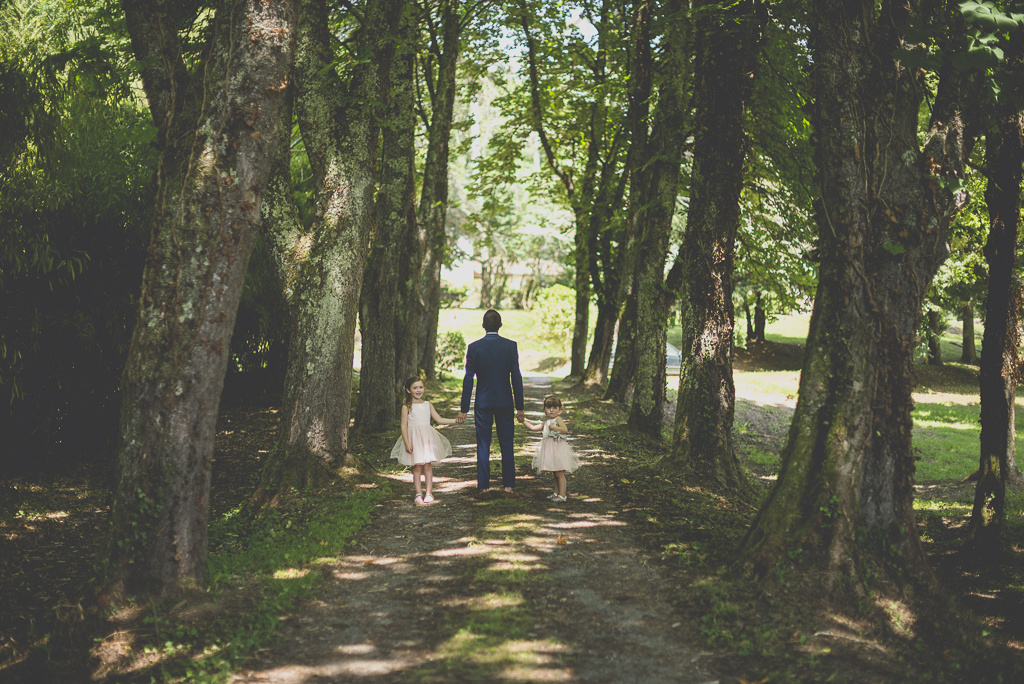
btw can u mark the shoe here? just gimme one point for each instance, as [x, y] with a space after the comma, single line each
[559, 499]
[418, 499]
[551, 497]
[484, 495]
[428, 499]
[509, 495]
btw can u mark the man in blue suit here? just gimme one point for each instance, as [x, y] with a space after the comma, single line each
[494, 360]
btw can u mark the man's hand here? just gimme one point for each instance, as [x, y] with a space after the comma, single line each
[520, 416]
[461, 418]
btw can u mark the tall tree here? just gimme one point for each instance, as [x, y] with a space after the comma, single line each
[339, 121]
[574, 109]
[727, 50]
[439, 68]
[886, 202]
[218, 132]
[388, 261]
[655, 172]
[1000, 364]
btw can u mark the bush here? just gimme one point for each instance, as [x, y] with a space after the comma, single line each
[453, 295]
[451, 353]
[554, 310]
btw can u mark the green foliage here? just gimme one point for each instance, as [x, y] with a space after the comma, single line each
[554, 311]
[72, 224]
[451, 353]
[275, 562]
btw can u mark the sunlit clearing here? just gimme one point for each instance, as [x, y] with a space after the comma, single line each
[290, 573]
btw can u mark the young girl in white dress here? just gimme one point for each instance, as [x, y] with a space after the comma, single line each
[553, 455]
[420, 444]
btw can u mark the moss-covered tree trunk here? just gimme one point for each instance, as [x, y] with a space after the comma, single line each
[659, 186]
[281, 230]
[339, 128]
[727, 51]
[641, 89]
[433, 208]
[1004, 156]
[218, 135]
[969, 352]
[378, 385]
[845, 487]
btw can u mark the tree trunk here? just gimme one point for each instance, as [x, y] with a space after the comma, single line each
[1004, 155]
[727, 52]
[641, 89]
[760, 319]
[340, 134]
[934, 346]
[659, 186]
[845, 488]
[379, 388]
[281, 229]
[219, 131]
[969, 354]
[433, 208]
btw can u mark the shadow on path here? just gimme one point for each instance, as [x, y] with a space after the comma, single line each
[510, 590]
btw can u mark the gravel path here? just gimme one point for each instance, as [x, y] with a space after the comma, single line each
[511, 590]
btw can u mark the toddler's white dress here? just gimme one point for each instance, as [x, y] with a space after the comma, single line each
[428, 444]
[553, 452]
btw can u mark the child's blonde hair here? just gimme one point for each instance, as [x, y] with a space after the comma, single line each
[551, 401]
[408, 387]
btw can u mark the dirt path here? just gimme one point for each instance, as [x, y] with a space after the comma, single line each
[511, 590]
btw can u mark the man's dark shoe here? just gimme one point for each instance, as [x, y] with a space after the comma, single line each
[509, 495]
[484, 495]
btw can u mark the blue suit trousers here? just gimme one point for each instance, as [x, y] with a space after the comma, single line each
[505, 425]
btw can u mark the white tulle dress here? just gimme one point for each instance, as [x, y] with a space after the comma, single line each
[428, 445]
[553, 452]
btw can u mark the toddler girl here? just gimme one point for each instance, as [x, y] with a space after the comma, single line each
[420, 444]
[554, 455]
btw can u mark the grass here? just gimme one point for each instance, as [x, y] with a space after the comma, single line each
[537, 354]
[258, 572]
[770, 633]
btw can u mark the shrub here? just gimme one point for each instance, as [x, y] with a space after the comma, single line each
[554, 310]
[451, 352]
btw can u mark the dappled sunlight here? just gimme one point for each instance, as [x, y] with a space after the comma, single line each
[901, 617]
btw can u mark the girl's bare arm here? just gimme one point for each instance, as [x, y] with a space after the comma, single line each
[530, 425]
[559, 426]
[438, 419]
[405, 429]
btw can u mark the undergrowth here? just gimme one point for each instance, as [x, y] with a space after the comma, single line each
[259, 570]
[797, 626]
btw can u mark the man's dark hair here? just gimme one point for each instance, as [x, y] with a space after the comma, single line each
[492, 320]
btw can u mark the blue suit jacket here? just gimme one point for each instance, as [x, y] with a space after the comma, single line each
[494, 360]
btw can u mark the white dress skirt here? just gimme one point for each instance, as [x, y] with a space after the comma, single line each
[428, 445]
[553, 452]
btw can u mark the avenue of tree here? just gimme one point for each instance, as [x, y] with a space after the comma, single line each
[712, 159]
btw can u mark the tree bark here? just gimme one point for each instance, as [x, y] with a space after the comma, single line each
[934, 346]
[969, 354]
[340, 133]
[659, 186]
[759, 319]
[218, 131]
[845, 488]
[641, 88]
[379, 387]
[728, 46]
[1004, 156]
[433, 208]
